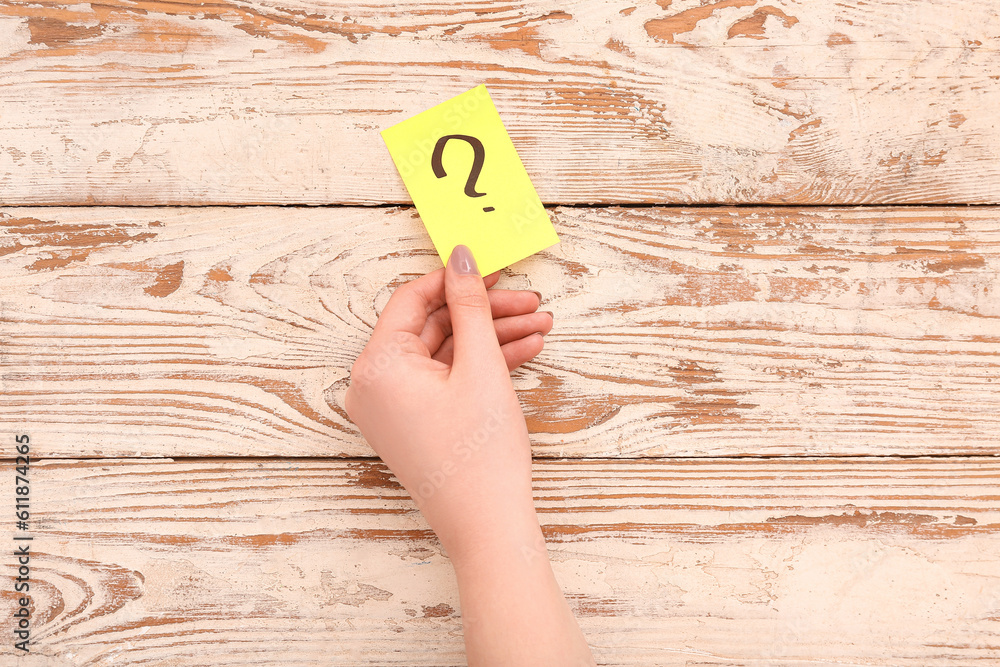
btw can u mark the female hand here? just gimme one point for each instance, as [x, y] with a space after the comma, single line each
[432, 394]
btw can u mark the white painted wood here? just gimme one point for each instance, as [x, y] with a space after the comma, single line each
[879, 561]
[733, 101]
[206, 332]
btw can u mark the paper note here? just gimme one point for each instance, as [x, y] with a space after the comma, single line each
[467, 182]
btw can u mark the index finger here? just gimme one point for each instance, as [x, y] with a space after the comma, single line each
[413, 302]
[410, 305]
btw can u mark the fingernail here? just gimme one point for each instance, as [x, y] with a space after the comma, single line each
[463, 260]
[551, 314]
[539, 295]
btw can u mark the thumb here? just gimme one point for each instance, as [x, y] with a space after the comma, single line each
[476, 344]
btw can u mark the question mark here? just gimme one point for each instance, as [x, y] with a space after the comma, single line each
[477, 163]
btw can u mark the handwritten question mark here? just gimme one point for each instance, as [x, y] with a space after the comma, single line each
[477, 163]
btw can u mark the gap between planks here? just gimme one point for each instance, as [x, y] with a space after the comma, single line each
[861, 458]
[548, 205]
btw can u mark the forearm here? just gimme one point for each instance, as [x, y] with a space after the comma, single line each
[513, 610]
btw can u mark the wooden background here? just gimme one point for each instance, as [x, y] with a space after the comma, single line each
[766, 422]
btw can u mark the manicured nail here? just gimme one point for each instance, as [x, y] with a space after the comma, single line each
[463, 260]
[539, 295]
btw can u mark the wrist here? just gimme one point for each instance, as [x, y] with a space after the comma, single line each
[511, 538]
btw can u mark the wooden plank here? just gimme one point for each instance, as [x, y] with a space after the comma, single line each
[713, 562]
[732, 101]
[208, 332]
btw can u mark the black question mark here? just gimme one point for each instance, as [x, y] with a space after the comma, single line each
[477, 163]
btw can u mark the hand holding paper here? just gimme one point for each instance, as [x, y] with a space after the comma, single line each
[467, 182]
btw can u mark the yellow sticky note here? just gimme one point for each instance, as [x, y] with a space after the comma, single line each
[467, 182]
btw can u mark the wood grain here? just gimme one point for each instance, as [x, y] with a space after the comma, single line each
[208, 332]
[713, 562]
[726, 101]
